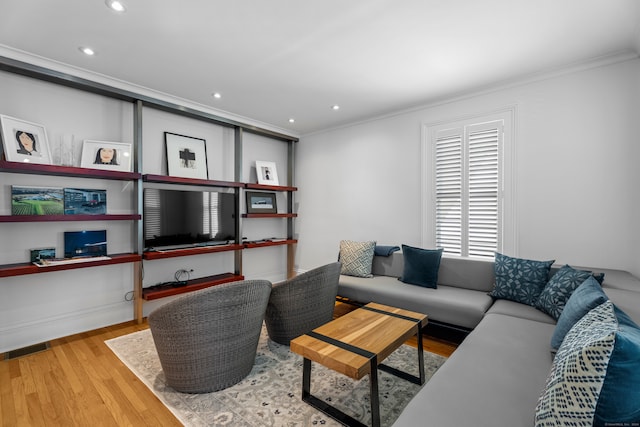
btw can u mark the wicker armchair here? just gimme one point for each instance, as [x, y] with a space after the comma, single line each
[207, 339]
[298, 305]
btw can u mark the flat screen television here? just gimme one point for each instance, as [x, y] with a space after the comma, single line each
[79, 244]
[184, 218]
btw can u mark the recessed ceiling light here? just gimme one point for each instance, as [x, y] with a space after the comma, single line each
[115, 5]
[216, 95]
[292, 120]
[335, 107]
[87, 51]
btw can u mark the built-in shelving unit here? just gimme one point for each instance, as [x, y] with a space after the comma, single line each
[140, 103]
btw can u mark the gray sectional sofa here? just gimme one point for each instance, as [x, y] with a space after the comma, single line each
[499, 371]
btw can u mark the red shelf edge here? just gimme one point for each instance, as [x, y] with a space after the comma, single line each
[47, 218]
[192, 285]
[55, 170]
[270, 187]
[165, 179]
[273, 243]
[190, 251]
[21, 269]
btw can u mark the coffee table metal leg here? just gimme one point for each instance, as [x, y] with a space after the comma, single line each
[375, 398]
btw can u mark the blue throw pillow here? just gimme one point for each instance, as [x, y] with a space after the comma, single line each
[519, 280]
[555, 294]
[421, 266]
[595, 374]
[586, 297]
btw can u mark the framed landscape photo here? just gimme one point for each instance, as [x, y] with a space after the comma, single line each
[267, 173]
[186, 156]
[105, 155]
[80, 201]
[260, 202]
[24, 141]
[37, 200]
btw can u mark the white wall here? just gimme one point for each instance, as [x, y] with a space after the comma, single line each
[575, 164]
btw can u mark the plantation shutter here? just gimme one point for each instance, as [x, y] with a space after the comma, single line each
[467, 189]
[483, 185]
[152, 212]
[448, 155]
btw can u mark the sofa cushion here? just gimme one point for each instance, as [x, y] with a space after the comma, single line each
[356, 258]
[523, 311]
[520, 280]
[557, 291]
[594, 376]
[586, 297]
[493, 379]
[421, 266]
[447, 304]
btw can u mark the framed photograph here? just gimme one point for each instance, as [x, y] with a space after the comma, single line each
[37, 255]
[79, 201]
[267, 173]
[260, 202]
[113, 156]
[36, 200]
[186, 156]
[24, 141]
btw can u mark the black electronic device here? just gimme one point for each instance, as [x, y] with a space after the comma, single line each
[184, 218]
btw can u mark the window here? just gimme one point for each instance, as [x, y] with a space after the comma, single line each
[466, 175]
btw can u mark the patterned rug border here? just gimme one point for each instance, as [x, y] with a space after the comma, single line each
[276, 370]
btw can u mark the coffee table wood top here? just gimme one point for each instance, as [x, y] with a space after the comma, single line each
[367, 328]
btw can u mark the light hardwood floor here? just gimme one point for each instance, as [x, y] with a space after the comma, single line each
[78, 381]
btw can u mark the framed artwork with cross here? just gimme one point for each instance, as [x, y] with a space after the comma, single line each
[186, 156]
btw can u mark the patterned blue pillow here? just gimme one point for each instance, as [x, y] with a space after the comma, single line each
[356, 258]
[588, 296]
[595, 375]
[421, 266]
[555, 294]
[519, 280]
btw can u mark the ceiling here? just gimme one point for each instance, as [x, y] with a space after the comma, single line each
[280, 59]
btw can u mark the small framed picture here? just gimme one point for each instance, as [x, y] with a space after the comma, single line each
[24, 141]
[80, 201]
[267, 173]
[105, 155]
[260, 202]
[36, 200]
[186, 156]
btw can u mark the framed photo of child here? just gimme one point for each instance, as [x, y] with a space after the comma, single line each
[114, 156]
[266, 173]
[24, 141]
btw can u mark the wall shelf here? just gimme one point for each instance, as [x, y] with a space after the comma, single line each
[270, 187]
[172, 253]
[164, 179]
[270, 215]
[10, 270]
[54, 170]
[47, 218]
[251, 245]
[192, 285]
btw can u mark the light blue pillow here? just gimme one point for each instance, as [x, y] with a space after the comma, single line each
[585, 298]
[555, 294]
[421, 266]
[595, 375]
[519, 280]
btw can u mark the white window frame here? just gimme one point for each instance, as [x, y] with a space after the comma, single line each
[507, 236]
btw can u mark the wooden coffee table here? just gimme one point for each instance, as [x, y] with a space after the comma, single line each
[355, 345]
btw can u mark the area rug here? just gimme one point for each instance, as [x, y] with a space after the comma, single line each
[271, 394]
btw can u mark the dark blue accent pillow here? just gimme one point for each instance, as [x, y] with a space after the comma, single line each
[586, 297]
[619, 400]
[519, 280]
[421, 266]
[555, 294]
